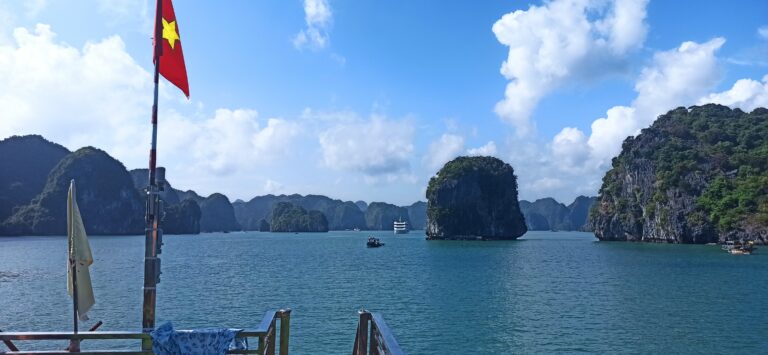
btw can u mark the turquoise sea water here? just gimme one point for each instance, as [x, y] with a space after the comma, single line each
[546, 293]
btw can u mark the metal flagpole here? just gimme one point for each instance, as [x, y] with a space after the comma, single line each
[152, 230]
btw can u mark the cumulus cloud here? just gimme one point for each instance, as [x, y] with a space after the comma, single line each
[376, 146]
[443, 150]
[100, 96]
[228, 141]
[562, 40]
[677, 77]
[489, 149]
[746, 94]
[318, 17]
[574, 162]
[94, 96]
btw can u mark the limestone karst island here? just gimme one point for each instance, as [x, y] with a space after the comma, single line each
[401, 177]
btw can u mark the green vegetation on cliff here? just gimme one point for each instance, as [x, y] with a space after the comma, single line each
[474, 197]
[287, 217]
[107, 199]
[25, 162]
[696, 175]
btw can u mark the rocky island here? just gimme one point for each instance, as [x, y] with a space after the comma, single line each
[474, 198]
[287, 217]
[109, 203]
[697, 175]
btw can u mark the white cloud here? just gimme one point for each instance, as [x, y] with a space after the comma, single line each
[570, 149]
[94, 96]
[489, 149]
[443, 150]
[231, 140]
[763, 32]
[746, 94]
[677, 77]
[374, 147]
[575, 162]
[547, 184]
[100, 96]
[272, 186]
[318, 17]
[564, 39]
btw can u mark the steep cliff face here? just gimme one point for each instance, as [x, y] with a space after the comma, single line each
[341, 215]
[381, 216]
[579, 213]
[550, 215]
[287, 217]
[473, 197]
[545, 214]
[417, 213]
[107, 199]
[217, 215]
[697, 175]
[347, 216]
[25, 162]
[182, 218]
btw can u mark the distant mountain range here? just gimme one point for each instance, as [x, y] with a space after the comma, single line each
[36, 174]
[550, 215]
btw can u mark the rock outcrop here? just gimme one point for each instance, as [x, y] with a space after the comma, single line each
[381, 216]
[182, 218]
[549, 215]
[340, 215]
[474, 197]
[107, 199]
[25, 162]
[579, 213]
[417, 213]
[217, 214]
[697, 175]
[287, 217]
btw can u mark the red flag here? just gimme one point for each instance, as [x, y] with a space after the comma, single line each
[171, 57]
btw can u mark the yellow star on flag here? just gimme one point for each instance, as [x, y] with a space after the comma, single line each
[169, 32]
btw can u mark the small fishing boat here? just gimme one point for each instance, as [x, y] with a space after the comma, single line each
[374, 242]
[740, 248]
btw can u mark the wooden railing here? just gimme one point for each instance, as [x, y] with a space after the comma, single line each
[266, 334]
[379, 341]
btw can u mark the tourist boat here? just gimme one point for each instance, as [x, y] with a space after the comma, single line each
[739, 248]
[401, 227]
[374, 242]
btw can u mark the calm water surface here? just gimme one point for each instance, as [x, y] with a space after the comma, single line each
[548, 292]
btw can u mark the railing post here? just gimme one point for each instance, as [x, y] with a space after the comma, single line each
[285, 330]
[373, 340]
[272, 337]
[262, 344]
[362, 332]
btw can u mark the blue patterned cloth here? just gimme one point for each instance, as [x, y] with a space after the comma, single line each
[209, 341]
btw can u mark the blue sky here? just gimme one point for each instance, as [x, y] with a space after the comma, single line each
[366, 99]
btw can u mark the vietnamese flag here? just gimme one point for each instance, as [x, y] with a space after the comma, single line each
[171, 56]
